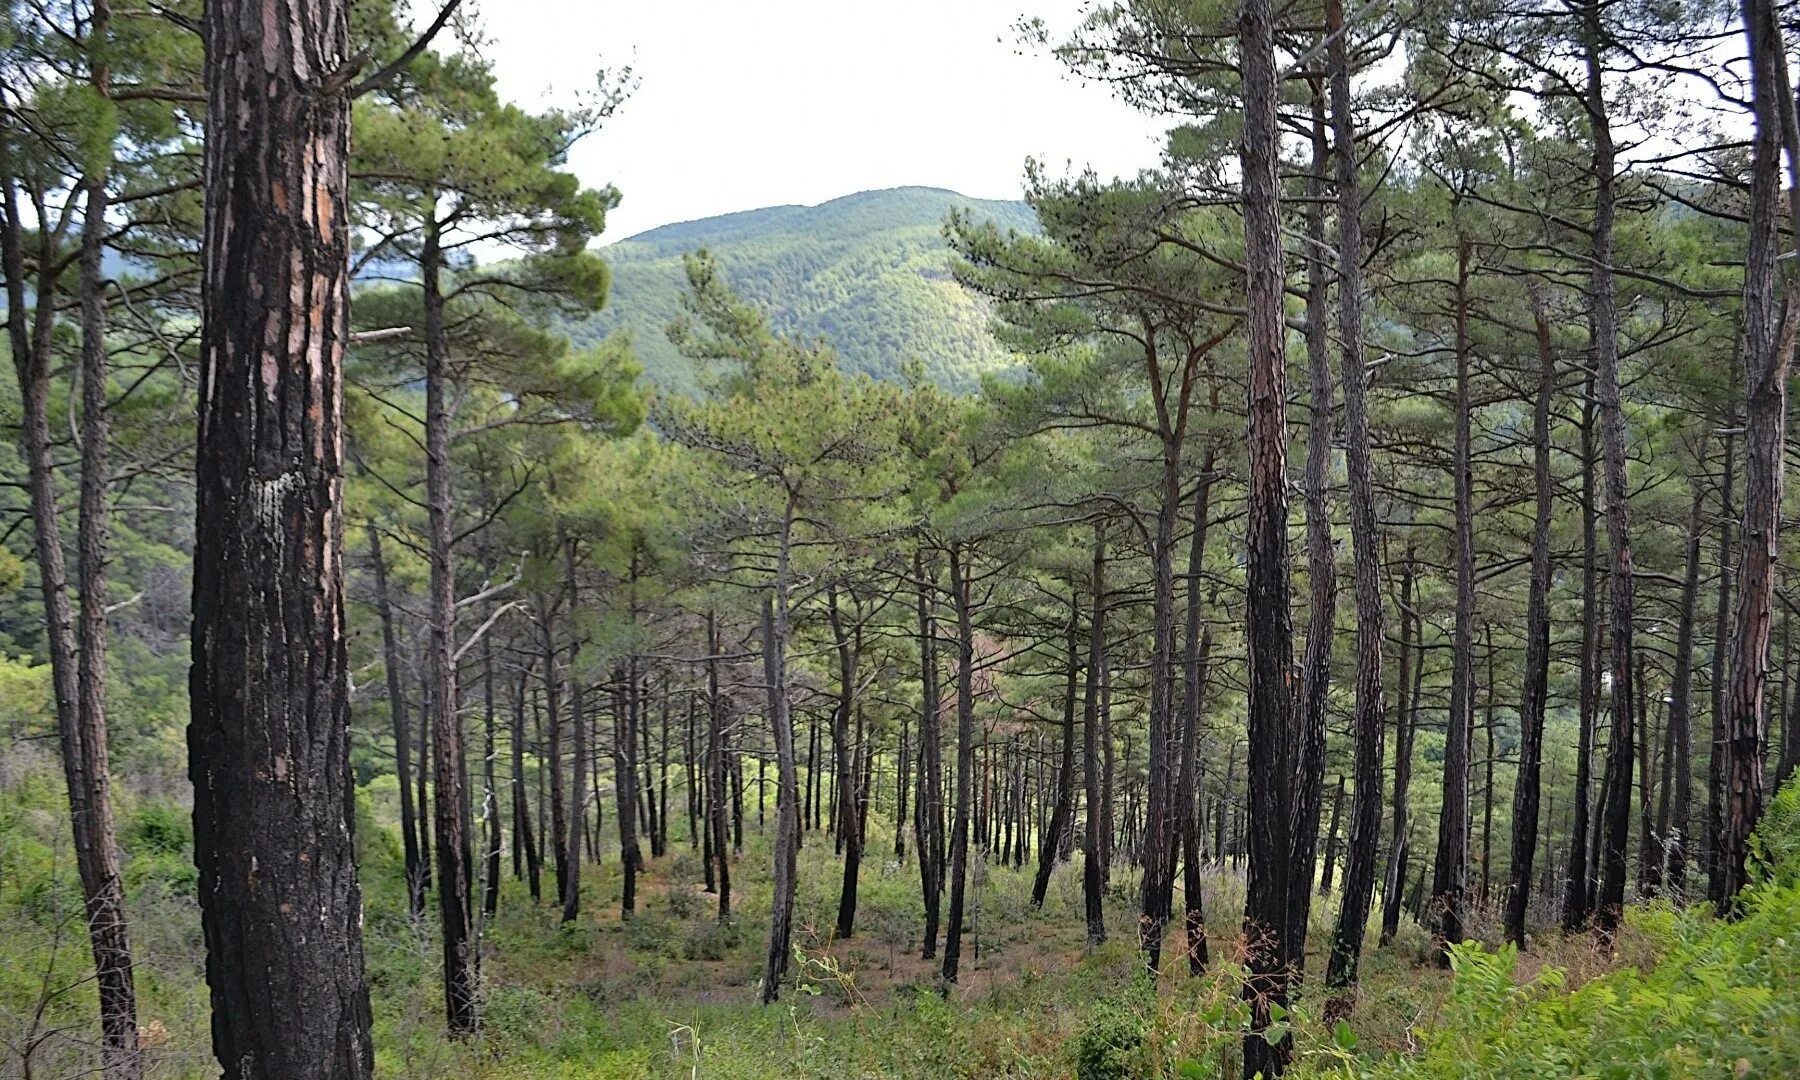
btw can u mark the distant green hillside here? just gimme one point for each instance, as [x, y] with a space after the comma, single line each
[868, 272]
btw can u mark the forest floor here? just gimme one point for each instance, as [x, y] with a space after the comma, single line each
[671, 992]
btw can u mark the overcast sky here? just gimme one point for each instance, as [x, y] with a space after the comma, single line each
[762, 102]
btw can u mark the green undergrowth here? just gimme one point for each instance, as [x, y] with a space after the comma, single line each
[672, 991]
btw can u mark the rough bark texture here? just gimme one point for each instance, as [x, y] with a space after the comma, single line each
[269, 738]
[1321, 562]
[1268, 632]
[1370, 723]
[1615, 824]
[1769, 315]
[1537, 644]
[1715, 758]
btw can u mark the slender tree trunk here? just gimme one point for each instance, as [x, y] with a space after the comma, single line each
[454, 856]
[1450, 876]
[524, 843]
[716, 790]
[1576, 906]
[1537, 643]
[490, 800]
[1370, 721]
[1400, 838]
[1093, 882]
[1268, 631]
[787, 803]
[1195, 669]
[1051, 843]
[1715, 803]
[396, 691]
[77, 654]
[928, 804]
[578, 727]
[269, 741]
[965, 763]
[96, 849]
[625, 781]
[1681, 707]
[1616, 820]
[1321, 564]
[848, 816]
[1328, 872]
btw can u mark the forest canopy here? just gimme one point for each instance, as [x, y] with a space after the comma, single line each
[1319, 606]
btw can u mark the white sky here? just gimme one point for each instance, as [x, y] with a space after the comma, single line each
[763, 102]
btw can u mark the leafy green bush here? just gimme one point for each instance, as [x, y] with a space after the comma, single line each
[1723, 999]
[159, 829]
[1111, 1044]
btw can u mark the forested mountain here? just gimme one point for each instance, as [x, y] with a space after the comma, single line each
[868, 272]
[1355, 639]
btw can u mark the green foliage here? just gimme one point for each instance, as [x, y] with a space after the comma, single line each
[1111, 1044]
[1718, 1000]
[869, 272]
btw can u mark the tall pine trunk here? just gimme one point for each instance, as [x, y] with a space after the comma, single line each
[965, 763]
[1537, 643]
[270, 733]
[1450, 874]
[1771, 310]
[1268, 630]
[1615, 823]
[1370, 724]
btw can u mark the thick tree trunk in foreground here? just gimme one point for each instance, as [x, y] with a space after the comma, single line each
[269, 739]
[1769, 315]
[1268, 632]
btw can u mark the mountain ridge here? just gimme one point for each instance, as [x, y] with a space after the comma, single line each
[868, 272]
